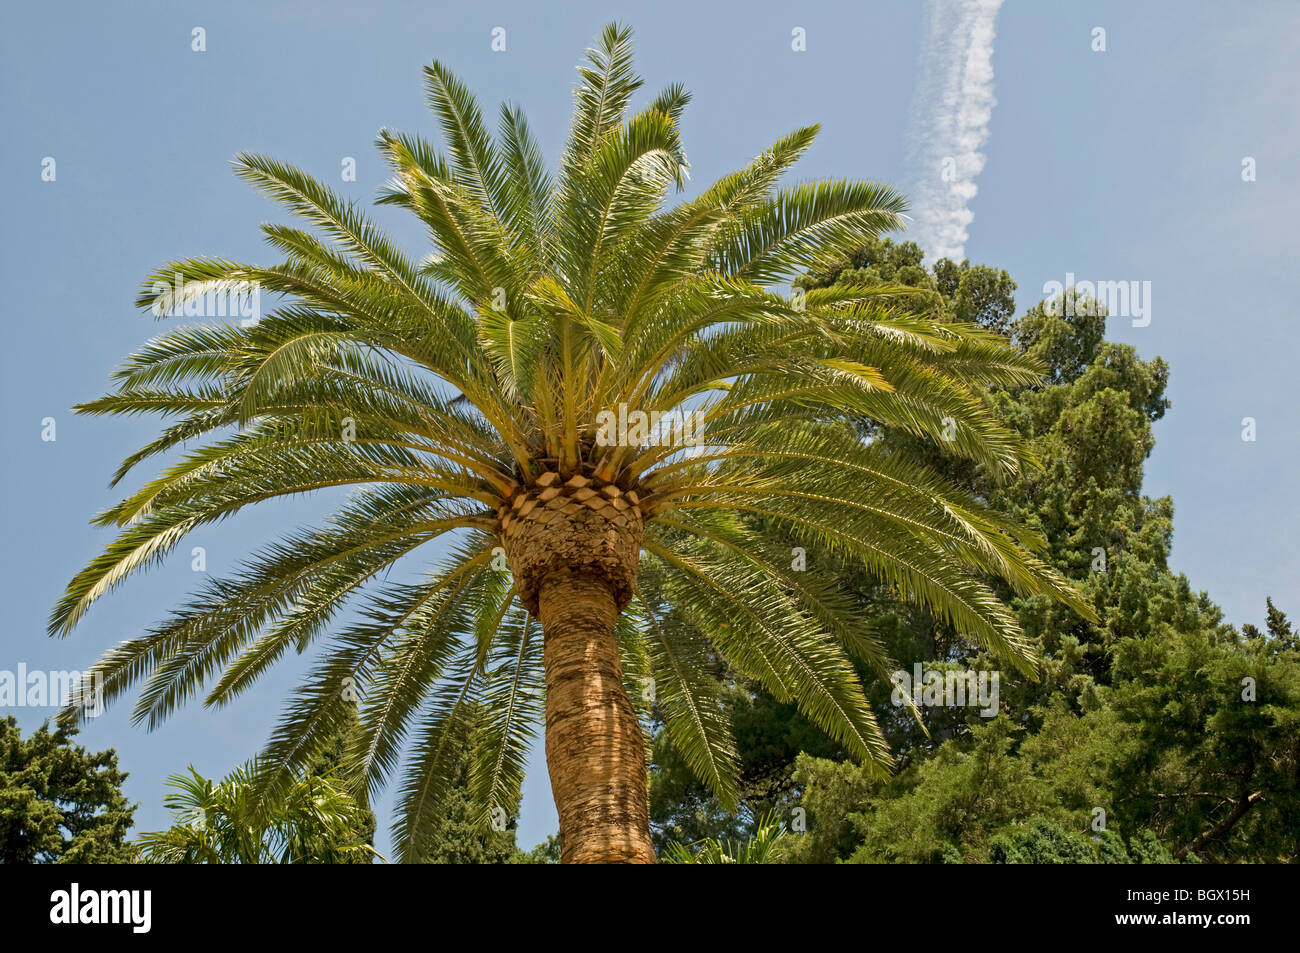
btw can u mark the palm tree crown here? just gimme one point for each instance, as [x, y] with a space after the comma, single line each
[614, 418]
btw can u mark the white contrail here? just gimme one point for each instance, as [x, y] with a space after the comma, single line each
[950, 122]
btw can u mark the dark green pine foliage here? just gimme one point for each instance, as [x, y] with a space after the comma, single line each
[458, 836]
[59, 803]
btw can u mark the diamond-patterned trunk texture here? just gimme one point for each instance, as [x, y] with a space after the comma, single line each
[579, 526]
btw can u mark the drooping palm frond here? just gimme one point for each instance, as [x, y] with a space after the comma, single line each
[440, 389]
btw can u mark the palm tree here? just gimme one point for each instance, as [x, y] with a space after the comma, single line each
[225, 823]
[480, 396]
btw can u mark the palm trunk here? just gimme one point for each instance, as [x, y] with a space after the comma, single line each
[594, 749]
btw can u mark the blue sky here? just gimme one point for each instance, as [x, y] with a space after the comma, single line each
[1115, 165]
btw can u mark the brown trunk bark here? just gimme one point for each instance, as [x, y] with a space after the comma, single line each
[594, 750]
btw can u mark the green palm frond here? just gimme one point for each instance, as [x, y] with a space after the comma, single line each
[224, 822]
[759, 849]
